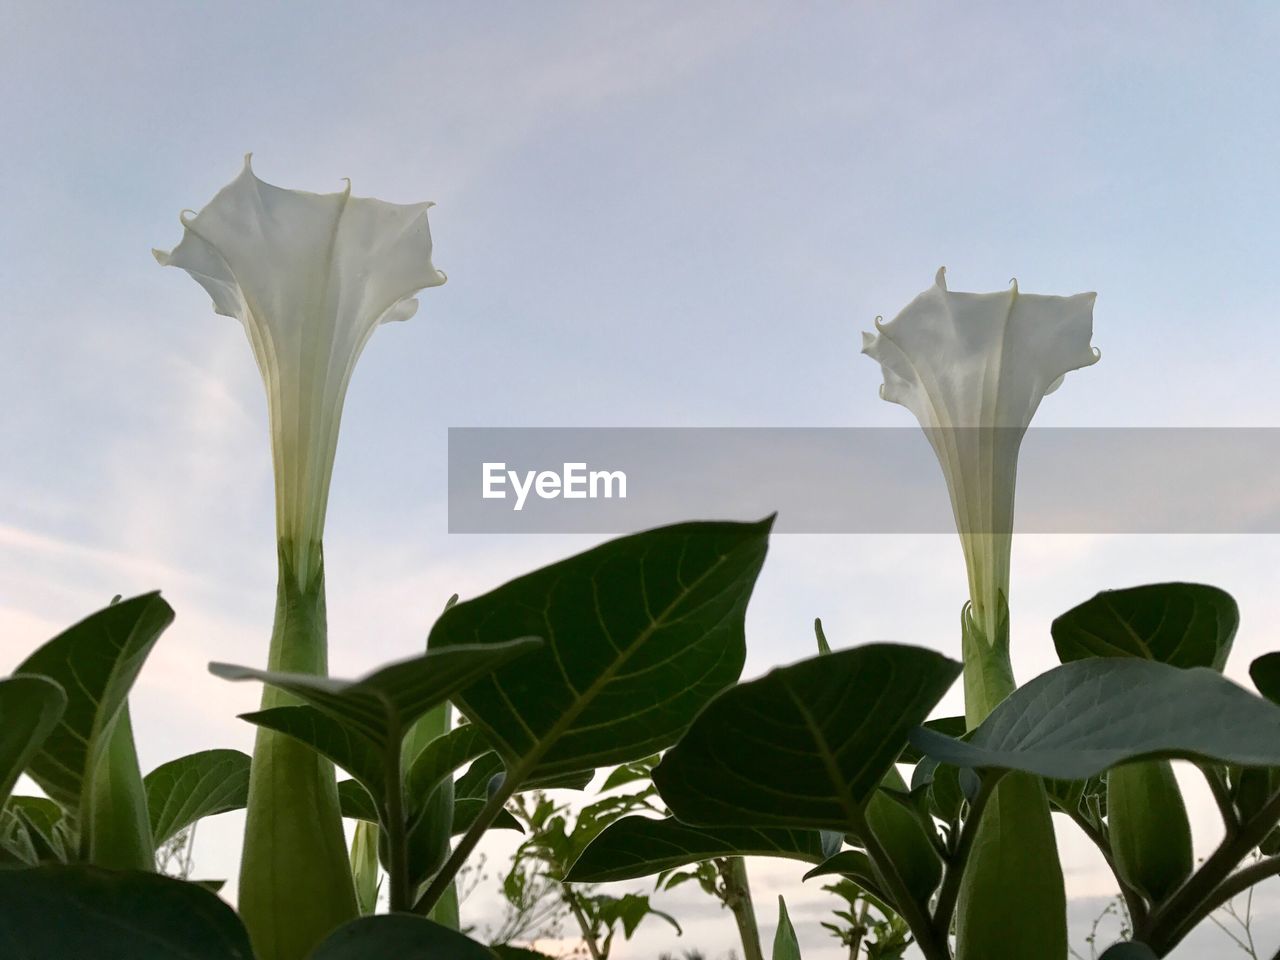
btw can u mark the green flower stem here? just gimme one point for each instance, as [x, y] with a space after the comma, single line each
[1012, 899]
[295, 878]
[118, 832]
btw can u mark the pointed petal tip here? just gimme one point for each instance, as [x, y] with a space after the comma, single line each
[162, 256]
[868, 341]
[940, 278]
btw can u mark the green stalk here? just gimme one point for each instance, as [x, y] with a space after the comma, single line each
[1012, 901]
[117, 834]
[295, 878]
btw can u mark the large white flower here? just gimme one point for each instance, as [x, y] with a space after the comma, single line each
[973, 368]
[310, 276]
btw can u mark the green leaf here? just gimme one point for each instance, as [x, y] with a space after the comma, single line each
[1265, 674]
[360, 724]
[641, 632]
[355, 803]
[330, 737]
[951, 726]
[1181, 624]
[382, 706]
[1082, 718]
[785, 945]
[30, 707]
[805, 745]
[45, 826]
[637, 846]
[399, 935]
[441, 757]
[198, 785]
[84, 912]
[95, 662]
[466, 809]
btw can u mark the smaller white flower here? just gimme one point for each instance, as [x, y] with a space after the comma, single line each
[973, 368]
[310, 276]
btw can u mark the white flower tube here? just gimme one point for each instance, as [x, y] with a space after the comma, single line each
[310, 276]
[973, 368]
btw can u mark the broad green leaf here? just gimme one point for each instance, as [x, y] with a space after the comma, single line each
[641, 632]
[1181, 624]
[487, 774]
[637, 846]
[382, 706]
[355, 802]
[198, 785]
[441, 757]
[853, 865]
[467, 809]
[951, 726]
[81, 912]
[1265, 674]
[1082, 718]
[402, 936]
[95, 662]
[330, 737]
[806, 745]
[30, 706]
[785, 945]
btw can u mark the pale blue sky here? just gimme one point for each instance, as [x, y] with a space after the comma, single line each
[651, 214]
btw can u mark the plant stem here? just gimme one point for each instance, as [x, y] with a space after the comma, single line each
[1133, 902]
[397, 829]
[295, 878]
[1198, 896]
[588, 934]
[915, 915]
[492, 807]
[1222, 797]
[945, 907]
[737, 888]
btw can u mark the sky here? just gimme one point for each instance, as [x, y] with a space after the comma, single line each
[651, 214]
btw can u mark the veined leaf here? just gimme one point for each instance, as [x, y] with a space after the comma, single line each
[637, 846]
[1082, 718]
[641, 632]
[79, 911]
[401, 936]
[441, 757]
[806, 745]
[95, 662]
[360, 724]
[30, 707]
[382, 706]
[198, 785]
[1181, 624]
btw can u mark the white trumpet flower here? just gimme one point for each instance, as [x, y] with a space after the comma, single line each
[310, 276]
[973, 368]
